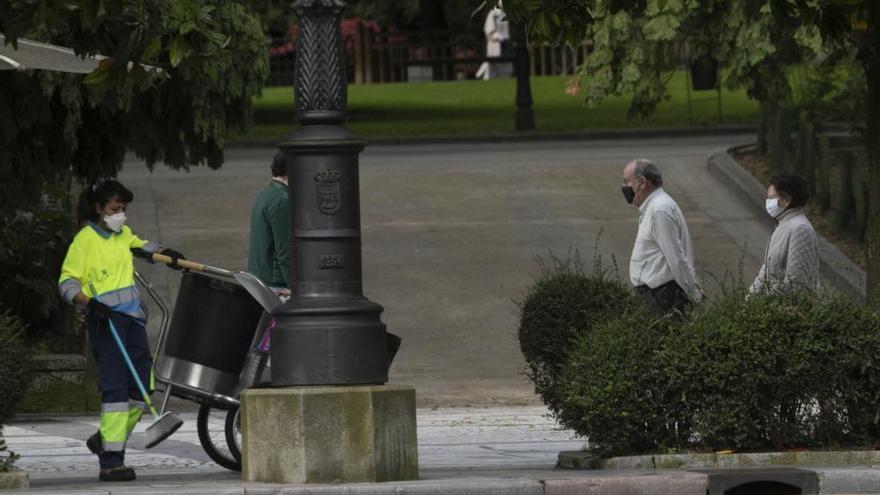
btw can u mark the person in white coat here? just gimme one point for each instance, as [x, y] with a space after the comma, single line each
[497, 33]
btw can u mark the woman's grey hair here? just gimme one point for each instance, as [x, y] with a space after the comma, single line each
[646, 168]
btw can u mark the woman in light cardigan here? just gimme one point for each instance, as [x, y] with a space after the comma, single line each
[791, 260]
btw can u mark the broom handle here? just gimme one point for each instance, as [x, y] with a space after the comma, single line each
[134, 374]
[137, 379]
[192, 265]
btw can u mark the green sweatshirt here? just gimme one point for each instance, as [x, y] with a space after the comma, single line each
[269, 247]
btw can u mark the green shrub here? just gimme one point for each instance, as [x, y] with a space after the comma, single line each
[778, 372]
[562, 304]
[614, 391]
[33, 244]
[749, 374]
[851, 403]
[15, 364]
[7, 457]
[745, 369]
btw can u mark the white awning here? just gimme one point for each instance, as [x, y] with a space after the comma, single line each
[35, 55]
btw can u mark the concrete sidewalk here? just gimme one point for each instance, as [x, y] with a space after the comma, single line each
[506, 450]
[493, 445]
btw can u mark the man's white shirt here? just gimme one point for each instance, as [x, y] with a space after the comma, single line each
[663, 250]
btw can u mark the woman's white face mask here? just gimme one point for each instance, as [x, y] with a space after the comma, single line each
[116, 221]
[773, 208]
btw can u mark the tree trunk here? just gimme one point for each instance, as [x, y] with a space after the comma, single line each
[432, 20]
[763, 128]
[779, 140]
[823, 174]
[432, 15]
[870, 52]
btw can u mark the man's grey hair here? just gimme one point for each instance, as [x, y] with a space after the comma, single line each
[646, 168]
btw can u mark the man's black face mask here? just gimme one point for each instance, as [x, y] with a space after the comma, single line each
[628, 193]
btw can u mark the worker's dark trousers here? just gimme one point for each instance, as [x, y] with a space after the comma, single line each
[121, 401]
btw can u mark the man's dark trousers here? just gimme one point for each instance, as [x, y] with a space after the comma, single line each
[664, 298]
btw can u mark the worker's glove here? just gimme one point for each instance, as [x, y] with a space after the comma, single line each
[99, 309]
[175, 257]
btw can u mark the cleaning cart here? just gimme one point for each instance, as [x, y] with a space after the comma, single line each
[204, 345]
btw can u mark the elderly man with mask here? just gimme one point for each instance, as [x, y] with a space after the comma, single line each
[662, 264]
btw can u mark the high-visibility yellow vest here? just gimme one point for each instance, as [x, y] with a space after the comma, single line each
[103, 260]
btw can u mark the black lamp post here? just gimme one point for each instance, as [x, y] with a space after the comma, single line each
[328, 333]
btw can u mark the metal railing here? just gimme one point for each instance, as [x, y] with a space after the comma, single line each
[374, 55]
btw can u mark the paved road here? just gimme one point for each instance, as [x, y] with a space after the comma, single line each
[450, 233]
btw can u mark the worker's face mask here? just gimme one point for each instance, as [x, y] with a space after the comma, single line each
[115, 222]
[773, 208]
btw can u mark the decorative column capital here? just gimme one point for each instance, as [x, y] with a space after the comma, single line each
[320, 81]
[331, 6]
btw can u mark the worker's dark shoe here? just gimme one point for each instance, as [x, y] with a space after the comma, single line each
[94, 443]
[118, 473]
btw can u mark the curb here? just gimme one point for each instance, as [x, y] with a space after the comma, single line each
[834, 266]
[814, 480]
[645, 482]
[716, 461]
[526, 137]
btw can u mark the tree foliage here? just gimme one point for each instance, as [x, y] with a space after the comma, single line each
[458, 16]
[755, 40]
[637, 43]
[180, 78]
[211, 60]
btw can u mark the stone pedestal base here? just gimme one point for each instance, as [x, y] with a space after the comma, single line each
[329, 434]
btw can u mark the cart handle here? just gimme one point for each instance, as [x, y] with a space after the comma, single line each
[192, 265]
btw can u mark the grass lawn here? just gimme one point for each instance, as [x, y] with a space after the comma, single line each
[472, 108]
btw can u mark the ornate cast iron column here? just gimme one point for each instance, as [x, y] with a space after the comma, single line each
[328, 333]
[525, 116]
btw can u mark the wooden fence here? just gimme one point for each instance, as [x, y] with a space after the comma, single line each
[834, 162]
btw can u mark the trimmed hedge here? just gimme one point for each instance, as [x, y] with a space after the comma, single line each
[563, 303]
[614, 392]
[748, 374]
[15, 364]
[778, 372]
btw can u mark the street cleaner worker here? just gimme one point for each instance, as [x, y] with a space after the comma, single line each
[98, 275]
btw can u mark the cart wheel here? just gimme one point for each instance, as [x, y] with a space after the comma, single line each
[233, 432]
[211, 423]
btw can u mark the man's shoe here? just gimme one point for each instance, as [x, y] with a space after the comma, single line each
[118, 473]
[94, 443]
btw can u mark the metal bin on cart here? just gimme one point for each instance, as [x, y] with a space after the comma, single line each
[212, 327]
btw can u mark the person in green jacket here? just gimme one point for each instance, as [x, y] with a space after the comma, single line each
[269, 260]
[269, 246]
